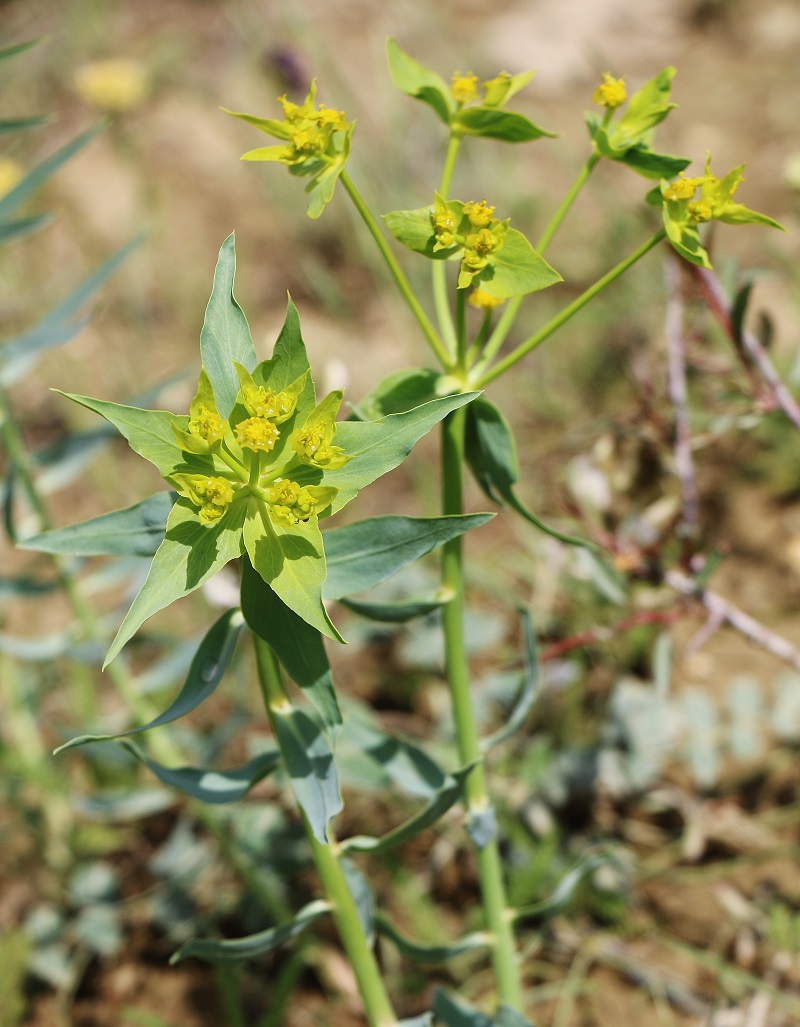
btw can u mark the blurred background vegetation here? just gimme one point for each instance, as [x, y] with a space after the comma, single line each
[681, 756]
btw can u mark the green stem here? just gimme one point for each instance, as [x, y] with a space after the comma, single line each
[480, 339]
[498, 336]
[461, 330]
[490, 872]
[482, 379]
[396, 272]
[326, 858]
[439, 269]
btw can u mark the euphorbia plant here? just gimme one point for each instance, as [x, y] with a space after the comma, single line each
[258, 462]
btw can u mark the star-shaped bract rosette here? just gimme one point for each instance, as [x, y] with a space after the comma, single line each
[256, 463]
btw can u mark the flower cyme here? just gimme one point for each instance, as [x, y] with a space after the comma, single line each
[464, 88]
[611, 92]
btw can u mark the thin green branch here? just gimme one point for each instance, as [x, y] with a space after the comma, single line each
[377, 1004]
[490, 870]
[482, 379]
[396, 272]
[441, 297]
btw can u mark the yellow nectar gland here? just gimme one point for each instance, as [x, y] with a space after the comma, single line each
[290, 502]
[481, 243]
[484, 301]
[699, 211]
[328, 117]
[263, 402]
[308, 139]
[611, 91]
[257, 434]
[464, 88]
[479, 214]
[682, 188]
[208, 425]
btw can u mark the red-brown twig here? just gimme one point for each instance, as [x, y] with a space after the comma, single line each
[636, 620]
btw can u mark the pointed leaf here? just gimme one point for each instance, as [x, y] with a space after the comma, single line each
[529, 692]
[455, 1013]
[414, 229]
[516, 269]
[565, 888]
[492, 123]
[297, 645]
[398, 612]
[492, 458]
[309, 762]
[289, 357]
[413, 79]
[361, 555]
[206, 671]
[229, 950]
[22, 124]
[654, 165]
[398, 392]
[62, 323]
[376, 447]
[405, 765]
[441, 801]
[363, 897]
[225, 337]
[291, 561]
[16, 229]
[190, 554]
[417, 952]
[41, 172]
[150, 433]
[18, 48]
[214, 787]
[133, 531]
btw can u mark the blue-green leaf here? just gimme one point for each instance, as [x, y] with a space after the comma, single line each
[361, 555]
[22, 124]
[297, 645]
[406, 765]
[229, 950]
[397, 612]
[362, 897]
[211, 786]
[309, 762]
[441, 801]
[528, 693]
[22, 226]
[205, 672]
[417, 952]
[61, 324]
[455, 1013]
[565, 888]
[190, 554]
[136, 530]
[39, 174]
[225, 337]
[492, 458]
[397, 392]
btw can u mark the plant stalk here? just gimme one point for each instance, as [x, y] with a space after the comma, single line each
[441, 297]
[483, 377]
[493, 894]
[377, 1004]
[396, 272]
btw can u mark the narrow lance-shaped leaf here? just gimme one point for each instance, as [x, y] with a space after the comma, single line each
[230, 950]
[225, 336]
[492, 458]
[214, 787]
[400, 612]
[528, 693]
[309, 762]
[206, 671]
[417, 952]
[61, 324]
[297, 645]
[361, 555]
[405, 764]
[136, 530]
[441, 801]
[39, 174]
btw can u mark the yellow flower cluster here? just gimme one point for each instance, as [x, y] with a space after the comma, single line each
[291, 502]
[208, 425]
[309, 128]
[611, 92]
[464, 88]
[114, 85]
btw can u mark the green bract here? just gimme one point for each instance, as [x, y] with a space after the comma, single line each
[460, 105]
[689, 202]
[629, 139]
[494, 256]
[315, 144]
[254, 477]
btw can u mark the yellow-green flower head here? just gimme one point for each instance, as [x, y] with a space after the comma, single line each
[681, 189]
[294, 112]
[115, 85]
[479, 214]
[327, 117]
[611, 92]
[10, 174]
[208, 425]
[313, 443]
[212, 495]
[309, 139]
[445, 223]
[699, 211]
[258, 434]
[479, 245]
[291, 502]
[483, 300]
[464, 88]
[261, 402]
